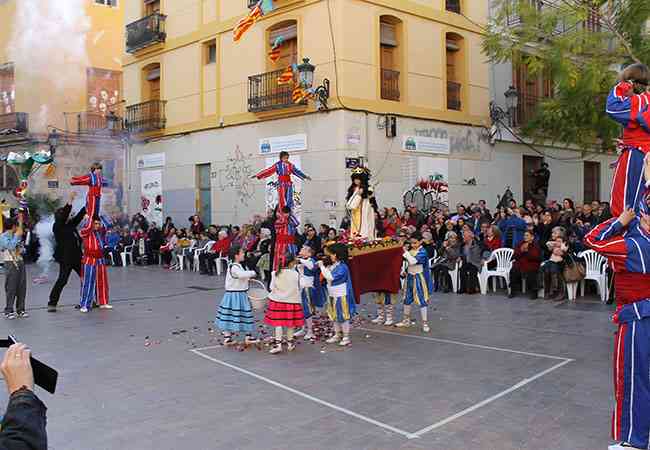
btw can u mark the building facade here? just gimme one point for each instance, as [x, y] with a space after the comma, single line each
[409, 92]
[61, 72]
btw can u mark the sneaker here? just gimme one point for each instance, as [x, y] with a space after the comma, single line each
[83, 310]
[334, 339]
[23, 315]
[389, 322]
[51, 308]
[228, 341]
[377, 320]
[105, 306]
[404, 323]
[291, 346]
[10, 316]
[299, 333]
[250, 340]
[425, 327]
[277, 348]
[345, 342]
[622, 446]
[77, 306]
[310, 336]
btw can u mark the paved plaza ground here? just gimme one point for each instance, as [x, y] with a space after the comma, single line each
[492, 374]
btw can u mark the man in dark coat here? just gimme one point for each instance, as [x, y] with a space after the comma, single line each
[67, 250]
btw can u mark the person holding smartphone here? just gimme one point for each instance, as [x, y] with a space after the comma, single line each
[24, 422]
[11, 246]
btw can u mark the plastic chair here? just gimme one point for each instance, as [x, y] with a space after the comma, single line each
[200, 251]
[454, 274]
[221, 260]
[184, 253]
[128, 251]
[596, 270]
[503, 257]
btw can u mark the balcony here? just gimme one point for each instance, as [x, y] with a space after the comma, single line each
[14, 123]
[145, 32]
[454, 95]
[94, 122]
[265, 94]
[147, 116]
[390, 84]
[252, 3]
[526, 109]
[452, 6]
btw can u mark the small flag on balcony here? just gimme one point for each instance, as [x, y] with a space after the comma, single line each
[286, 77]
[274, 54]
[299, 94]
[245, 23]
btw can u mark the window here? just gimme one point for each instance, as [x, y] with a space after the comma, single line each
[390, 29]
[112, 3]
[7, 89]
[453, 6]
[286, 33]
[8, 178]
[532, 90]
[210, 52]
[455, 70]
[151, 82]
[151, 7]
[591, 180]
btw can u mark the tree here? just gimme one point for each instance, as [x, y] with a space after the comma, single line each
[580, 45]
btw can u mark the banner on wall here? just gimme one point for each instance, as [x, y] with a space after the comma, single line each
[271, 188]
[423, 144]
[274, 145]
[151, 201]
[151, 160]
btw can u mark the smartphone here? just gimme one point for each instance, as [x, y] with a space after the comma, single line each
[44, 376]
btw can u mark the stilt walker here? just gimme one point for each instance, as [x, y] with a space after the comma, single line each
[285, 232]
[94, 181]
[625, 241]
[283, 169]
[94, 282]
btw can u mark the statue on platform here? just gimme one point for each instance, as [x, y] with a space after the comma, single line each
[362, 205]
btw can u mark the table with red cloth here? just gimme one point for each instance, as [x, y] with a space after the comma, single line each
[375, 267]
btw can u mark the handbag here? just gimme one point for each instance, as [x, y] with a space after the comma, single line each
[574, 271]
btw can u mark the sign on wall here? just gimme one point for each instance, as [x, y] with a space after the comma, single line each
[273, 145]
[151, 160]
[422, 144]
[271, 188]
[151, 200]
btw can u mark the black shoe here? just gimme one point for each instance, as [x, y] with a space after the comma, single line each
[51, 308]
[94, 305]
[77, 306]
[512, 295]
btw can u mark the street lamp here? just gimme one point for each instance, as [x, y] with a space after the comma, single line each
[306, 76]
[306, 73]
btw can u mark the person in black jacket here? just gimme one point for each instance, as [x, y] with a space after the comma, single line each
[67, 251]
[24, 422]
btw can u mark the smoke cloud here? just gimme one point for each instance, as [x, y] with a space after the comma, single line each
[43, 230]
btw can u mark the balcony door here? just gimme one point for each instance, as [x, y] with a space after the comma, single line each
[389, 57]
[205, 193]
[287, 34]
[151, 6]
[151, 83]
[591, 180]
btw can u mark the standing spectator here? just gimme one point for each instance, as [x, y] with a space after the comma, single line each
[313, 241]
[460, 213]
[324, 229]
[553, 267]
[512, 228]
[472, 259]
[475, 221]
[485, 212]
[23, 424]
[196, 226]
[213, 233]
[528, 257]
[450, 255]
[15, 277]
[392, 223]
[154, 241]
[167, 226]
[67, 248]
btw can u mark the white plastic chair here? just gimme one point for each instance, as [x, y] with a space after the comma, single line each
[454, 274]
[219, 261]
[184, 253]
[503, 257]
[200, 251]
[596, 270]
[128, 251]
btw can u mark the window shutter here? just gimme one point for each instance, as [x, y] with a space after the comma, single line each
[287, 33]
[388, 34]
[452, 45]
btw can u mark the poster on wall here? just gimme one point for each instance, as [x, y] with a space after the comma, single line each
[271, 188]
[275, 145]
[151, 201]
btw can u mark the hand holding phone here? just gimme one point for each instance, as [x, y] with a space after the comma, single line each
[42, 374]
[16, 368]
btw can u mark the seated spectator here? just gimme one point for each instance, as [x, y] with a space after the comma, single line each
[461, 213]
[492, 239]
[324, 229]
[475, 221]
[249, 239]
[450, 255]
[219, 249]
[139, 250]
[24, 421]
[392, 223]
[112, 242]
[471, 255]
[332, 235]
[528, 257]
[166, 249]
[154, 241]
[409, 220]
[125, 241]
[429, 244]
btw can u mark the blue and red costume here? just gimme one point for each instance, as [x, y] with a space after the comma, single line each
[283, 170]
[94, 182]
[94, 278]
[631, 111]
[627, 249]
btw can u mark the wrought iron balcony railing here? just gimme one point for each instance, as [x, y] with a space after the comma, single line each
[454, 95]
[14, 123]
[390, 84]
[265, 94]
[252, 3]
[453, 6]
[145, 32]
[95, 122]
[147, 116]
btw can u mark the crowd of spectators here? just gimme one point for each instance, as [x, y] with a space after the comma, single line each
[541, 235]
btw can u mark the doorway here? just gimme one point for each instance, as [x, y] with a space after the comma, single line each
[205, 193]
[591, 185]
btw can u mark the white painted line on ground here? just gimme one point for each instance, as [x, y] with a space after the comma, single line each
[466, 344]
[306, 396]
[511, 389]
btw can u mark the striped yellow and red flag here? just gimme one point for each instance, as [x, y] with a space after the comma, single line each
[245, 23]
[274, 54]
[286, 77]
[298, 94]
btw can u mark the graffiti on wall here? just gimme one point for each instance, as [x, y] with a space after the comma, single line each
[236, 176]
[464, 142]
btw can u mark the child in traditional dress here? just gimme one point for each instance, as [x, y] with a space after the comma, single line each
[310, 289]
[385, 302]
[235, 313]
[285, 309]
[340, 304]
[419, 284]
